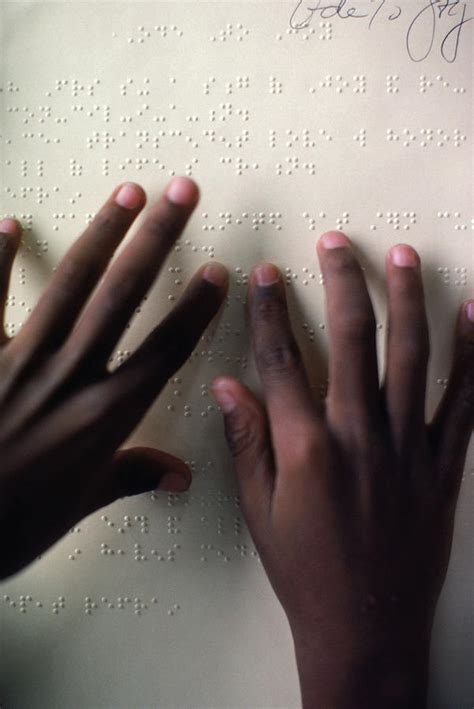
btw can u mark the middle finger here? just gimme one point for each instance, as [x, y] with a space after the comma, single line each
[353, 392]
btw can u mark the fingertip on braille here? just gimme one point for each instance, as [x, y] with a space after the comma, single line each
[403, 256]
[10, 226]
[333, 240]
[182, 191]
[266, 274]
[216, 274]
[469, 310]
[130, 196]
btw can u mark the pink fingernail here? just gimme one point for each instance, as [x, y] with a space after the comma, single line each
[334, 240]
[223, 396]
[266, 274]
[129, 196]
[215, 273]
[174, 482]
[404, 256]
[470, 310]
[182, 191]
[10, 226]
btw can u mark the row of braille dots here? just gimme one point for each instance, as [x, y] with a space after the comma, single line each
[325, 33]
[457, 215]
[220, 553]
[427, 136]
[78, 108]
[426, 83]
[442, 382]
[39, 135]
[244, 551]
[294, 164]
[127, 523]
[339, 83]
[460, 275]
[106, 140]
[210, 134]
[340, 221]
[258, 219]
[227, 109]
[393, 218]
[241, 82]
[75, 86]
[145, 33]
[215, 499]
[23, 601]
[41, 194]
[122, 602]
[228, 32]
[294, 138]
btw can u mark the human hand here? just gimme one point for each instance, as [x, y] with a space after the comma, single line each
[351, 503]
[62, 413]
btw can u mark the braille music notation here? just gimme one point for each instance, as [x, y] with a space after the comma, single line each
[294, 118]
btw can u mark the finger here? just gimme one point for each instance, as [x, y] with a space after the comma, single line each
[10, 235]
[407, 348]
[453, 422]
[132, 274]
[353, 401]
[78, 273]
[248, 437]
[137, 382]
[292, 411]
[133, 471]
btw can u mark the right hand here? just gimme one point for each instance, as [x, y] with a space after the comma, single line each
[351, 502]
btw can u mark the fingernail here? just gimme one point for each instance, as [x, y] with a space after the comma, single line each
[174, 482]
[129, 196]
[470, 310]
[223, 396]
[10, 226]
[266, 274]
[334, 240]
[216, 274]
[182, 191]
[403, 256]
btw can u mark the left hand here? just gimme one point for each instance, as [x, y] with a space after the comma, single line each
[62, 413]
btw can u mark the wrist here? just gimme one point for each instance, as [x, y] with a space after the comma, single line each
[343, 672]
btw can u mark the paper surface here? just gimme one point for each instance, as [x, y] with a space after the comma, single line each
[359, 121]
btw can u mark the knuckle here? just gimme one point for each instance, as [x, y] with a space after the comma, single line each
[268, 308]
[93, 404]
[414, 346]
[343, 264]
[164, 222]
[356, 325]
[242, 434]
[304, 448]
[282, 358]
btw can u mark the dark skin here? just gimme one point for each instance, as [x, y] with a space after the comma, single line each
[350, 502]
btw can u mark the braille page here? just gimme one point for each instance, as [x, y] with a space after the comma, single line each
[294, 118]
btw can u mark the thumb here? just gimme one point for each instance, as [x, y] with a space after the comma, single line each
[248, 438]
[135, 470]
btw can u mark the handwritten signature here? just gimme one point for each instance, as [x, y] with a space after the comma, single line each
[422, 28]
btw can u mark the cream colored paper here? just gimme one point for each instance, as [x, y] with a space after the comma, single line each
[350, 122]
